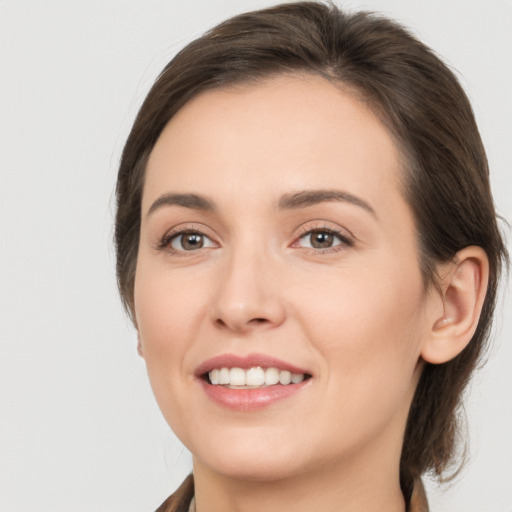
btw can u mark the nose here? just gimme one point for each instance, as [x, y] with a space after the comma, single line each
[248, 296]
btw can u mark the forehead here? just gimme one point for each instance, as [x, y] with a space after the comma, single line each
[285, 132]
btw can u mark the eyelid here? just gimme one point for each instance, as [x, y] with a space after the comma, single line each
[346, 237]
[163, 243]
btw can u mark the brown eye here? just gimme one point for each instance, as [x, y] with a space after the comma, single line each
[322, 239]
[190, 242]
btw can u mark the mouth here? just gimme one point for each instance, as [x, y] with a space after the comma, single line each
[250, 382]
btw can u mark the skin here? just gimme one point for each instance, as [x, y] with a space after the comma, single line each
[355, 315]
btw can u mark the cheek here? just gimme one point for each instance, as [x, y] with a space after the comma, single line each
[166, 311]
[367, 327]
[166, 328]
[166, 308]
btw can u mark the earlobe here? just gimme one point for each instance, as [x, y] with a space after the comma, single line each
[139, 346]
[463, 287]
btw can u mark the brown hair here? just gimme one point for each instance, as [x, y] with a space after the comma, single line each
[422, 104]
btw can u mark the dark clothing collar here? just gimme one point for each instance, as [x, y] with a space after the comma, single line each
[181, 500]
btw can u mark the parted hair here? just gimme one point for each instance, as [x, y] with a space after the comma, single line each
[445, 174]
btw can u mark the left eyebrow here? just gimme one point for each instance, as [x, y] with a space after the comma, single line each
[192, 201]
[312, 197]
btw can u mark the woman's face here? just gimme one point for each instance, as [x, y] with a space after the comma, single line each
[275, 240]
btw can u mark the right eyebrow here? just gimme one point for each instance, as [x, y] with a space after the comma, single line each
[306, 198]
[193, 201]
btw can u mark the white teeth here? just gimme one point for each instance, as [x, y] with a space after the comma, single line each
[297, 377]
[214, 376]
[237, 377]
[223, 376]
[271, 376]
[253, 377]
[285, 377]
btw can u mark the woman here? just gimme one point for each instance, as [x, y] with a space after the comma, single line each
[308, 248]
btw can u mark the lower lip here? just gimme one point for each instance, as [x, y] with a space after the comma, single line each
[250, 399]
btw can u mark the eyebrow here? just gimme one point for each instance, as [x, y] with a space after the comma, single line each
[290, 201]
[192, 201]
[313, 197]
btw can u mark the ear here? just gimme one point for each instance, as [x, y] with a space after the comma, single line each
[139, 346]
[462, 292]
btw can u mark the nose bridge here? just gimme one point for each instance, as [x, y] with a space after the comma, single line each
[248, 294]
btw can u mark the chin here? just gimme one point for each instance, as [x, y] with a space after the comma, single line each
[254, 471]
[249, 461]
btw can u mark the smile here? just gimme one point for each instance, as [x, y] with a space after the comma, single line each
[253, 378]
[250, 382]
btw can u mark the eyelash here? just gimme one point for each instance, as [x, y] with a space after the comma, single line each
[166, 241]
[345, 241]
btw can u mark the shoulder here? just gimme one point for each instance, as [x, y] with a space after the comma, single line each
[180, 500]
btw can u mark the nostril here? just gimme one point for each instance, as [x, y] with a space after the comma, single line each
[254, 321]
[241, 326]
[220, 322]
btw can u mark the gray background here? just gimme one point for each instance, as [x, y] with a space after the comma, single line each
[79, 429]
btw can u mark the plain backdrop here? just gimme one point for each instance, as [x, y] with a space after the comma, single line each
[79, 428]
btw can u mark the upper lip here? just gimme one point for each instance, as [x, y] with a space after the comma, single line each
[246, 362]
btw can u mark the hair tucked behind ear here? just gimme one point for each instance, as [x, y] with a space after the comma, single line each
[445, 175]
